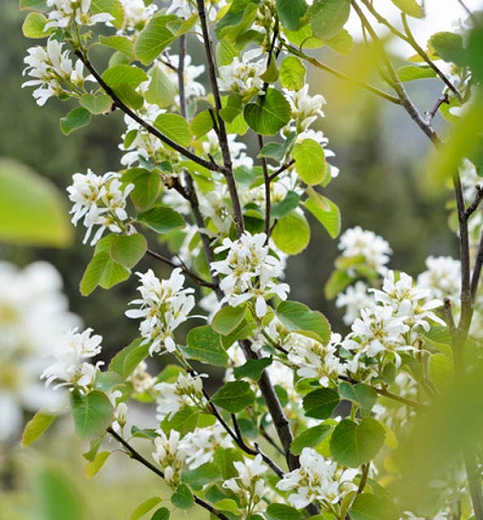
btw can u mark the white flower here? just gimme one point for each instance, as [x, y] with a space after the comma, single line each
[374, 249]
[250, 272]
[70, 367]
[53, 71]
[187, 391]
[442, 277]
[314, 360]
[66, 12]
[248, 486]
[305, 108]
[317, 480]
[164, 305]
[170, 455]
[242, 75]
[136, 14]
[354, 299]
[202, 444]
[101, 201]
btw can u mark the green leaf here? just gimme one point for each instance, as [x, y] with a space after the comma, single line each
[227, 319]
[92, 413]
[161, 514]
[144, 508]
[112, 7]
[226, 504]
[32, 210]
[441, 371]
[154, 38]
[204, 344]
[320, 403]
[304, 38]
[269, 113]
[31, 4]
[361, 394]
[309, 161]
[373, 507]
[182, 498]
[124, 74]
[337, 282]
[39, 423]
[232, 108]
[310, 438]
[271, 73]
[325, 211]
[34, 25]
[225, 459]
[354, 444]
[410, 7]
[104, 271]
[253, 368]
[240, 12]
[290, 12]
[413, 72]
[475, 49]
[449, 47]
[287, 205]
[283, 512]
[74, 120]
[175, 127]
[184, 421]
[292, 73]
[234, 396]
[199, 477]
[328, 17]
[146, 186]
[128, 95]
[93, 467]
[120, 43]
[125, 361]
[299, 318]
[292, 233]
[201, 124]
[128, 250]
[161, 219]
[342, 42]
[96, 105]
[55, 496]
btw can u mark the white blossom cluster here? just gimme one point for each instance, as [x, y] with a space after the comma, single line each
[100, 201]
[202, 444]
[66, 12]
[393, 323]
[248, 486]
[71, 367]
[249, 272]
[170, 454]
[53, 72]
[243, 75]
[186, 391]
[33, 319]
[317, 480]
[136, 15]
[373, 250]
[442, 277]
[163, 306]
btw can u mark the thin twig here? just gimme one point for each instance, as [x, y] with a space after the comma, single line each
[134, 454]
[475, 279]
[395, 82]
[210, 165]
[431, 113]
[280, 170]
[363, 481]
[316, 63]
[270, 440]
[266, 182]
[468, 11]
[183, 267]
[476, 201]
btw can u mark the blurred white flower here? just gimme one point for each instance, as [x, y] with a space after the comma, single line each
[354, 299]
[163, 306]
[101, 201]
[33, 319]
[442, 277]
[66, 12]
[373, 249]
[70, 367]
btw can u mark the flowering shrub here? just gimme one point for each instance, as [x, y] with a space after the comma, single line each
[306, 421]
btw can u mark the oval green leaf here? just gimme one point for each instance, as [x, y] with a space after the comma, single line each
[269, 113]
[327, 17]
[368, 506]
[128, 250]
[175, 127]
[320, 403]
[161, 219]
[292, 233]
[204, 345]
[309, 161]
[234, 396]
[92, 413]
[74, 120]
[298, 317]
[36, 427]
[292, 73]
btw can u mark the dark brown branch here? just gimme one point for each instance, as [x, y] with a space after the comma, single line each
[431, 113]
[151, 129]
[280, 170]
[266, 182]
[223, 137]
[475, 279]
[183, 267]
[476, 201]
[134, 454]
[270, 440]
